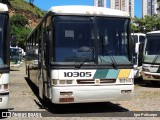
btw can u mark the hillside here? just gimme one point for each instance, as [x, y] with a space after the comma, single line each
[23, 18]
[31, 12]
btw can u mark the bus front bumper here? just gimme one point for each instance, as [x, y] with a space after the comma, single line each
[151, 76]
[85, 94]
[4, 97]
[14, 66]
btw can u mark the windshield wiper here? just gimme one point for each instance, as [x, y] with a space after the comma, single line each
[104, 50]
[114, 64]
[155, 59]
[83, 59]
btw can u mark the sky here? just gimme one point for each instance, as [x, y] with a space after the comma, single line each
[46, 4]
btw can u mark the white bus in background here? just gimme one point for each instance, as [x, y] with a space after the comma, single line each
[22, 54]
[15, 58]
[151, 57]
[4, 56]
[79, 54]
[139, 39]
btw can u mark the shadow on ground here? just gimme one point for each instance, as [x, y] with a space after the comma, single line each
[150, 84]
[81, 108]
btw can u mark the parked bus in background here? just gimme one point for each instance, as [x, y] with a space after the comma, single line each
[21, 53]
[15, 58]
[151, 60]
[139, 39]
[83, 55]
[4, 56]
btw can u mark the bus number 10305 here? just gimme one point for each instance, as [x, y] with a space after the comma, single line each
[77, 74]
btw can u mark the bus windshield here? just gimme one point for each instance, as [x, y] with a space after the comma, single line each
[75, 40]
[4, 60]
[152, 50]
[152, 47]
[15, 55]
[112, 40]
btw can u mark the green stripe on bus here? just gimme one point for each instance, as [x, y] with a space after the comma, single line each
[101, 74]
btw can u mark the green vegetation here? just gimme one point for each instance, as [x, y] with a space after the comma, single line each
[146, 24]
[25, 6]
[18, 22]
[21, 12]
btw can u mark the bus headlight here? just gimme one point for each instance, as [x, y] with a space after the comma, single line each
[125, 80]
[69, 81]
[6, 86]
[62, 82]
[54, 82]
[145, 69]
[122, 80]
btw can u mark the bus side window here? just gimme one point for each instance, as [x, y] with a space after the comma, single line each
[40, 47]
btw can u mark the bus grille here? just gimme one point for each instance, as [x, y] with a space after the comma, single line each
[156, 76]
[92, 81]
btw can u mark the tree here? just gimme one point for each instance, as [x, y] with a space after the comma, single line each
[18, 28]
[18, 20]
[146, 24]
[31, 2]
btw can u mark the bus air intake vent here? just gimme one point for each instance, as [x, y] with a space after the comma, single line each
[103, 81]
[156, 76]
[92, 81]
[85, 81]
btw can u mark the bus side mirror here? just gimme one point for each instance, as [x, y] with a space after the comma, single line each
[137, 48]
[141, 47]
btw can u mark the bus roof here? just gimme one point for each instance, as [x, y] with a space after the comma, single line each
[87, 10]
[3, 7]
[142, 34]
[154, 32]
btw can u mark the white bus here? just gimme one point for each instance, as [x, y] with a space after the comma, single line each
[15, 58]
[151, 62]
[21, 52]
[4, 56]
[83, 55]
[139, 39]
